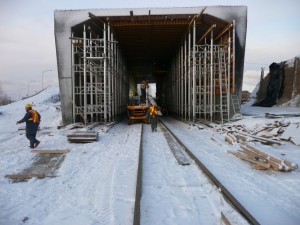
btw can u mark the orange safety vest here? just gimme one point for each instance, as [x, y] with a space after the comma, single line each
[153, 111]
[34, 116]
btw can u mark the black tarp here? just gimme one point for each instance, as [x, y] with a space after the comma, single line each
[275, 86]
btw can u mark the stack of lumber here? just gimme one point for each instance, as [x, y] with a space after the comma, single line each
[261, 160]
[83, 137]
[231, 138]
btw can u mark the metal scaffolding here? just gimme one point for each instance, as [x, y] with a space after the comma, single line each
[202, 78]
[99, 76]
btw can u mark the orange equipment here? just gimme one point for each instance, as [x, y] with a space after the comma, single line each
[137, 113]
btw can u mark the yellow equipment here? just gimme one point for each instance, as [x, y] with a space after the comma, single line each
[137, 113]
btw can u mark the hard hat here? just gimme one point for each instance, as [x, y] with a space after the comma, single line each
[27, 105]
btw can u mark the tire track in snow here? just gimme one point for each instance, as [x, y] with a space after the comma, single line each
[118, 149]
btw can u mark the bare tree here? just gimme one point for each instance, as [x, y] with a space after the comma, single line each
[4, 99]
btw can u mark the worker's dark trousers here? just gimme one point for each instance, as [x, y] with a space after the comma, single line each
[153, 121]
[32, 138]
[31, 133]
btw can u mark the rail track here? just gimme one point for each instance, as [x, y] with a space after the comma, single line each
[184, 157]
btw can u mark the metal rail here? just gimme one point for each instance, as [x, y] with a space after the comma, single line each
[138, 190]
[237, 205]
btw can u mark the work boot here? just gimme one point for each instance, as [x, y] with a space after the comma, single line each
[31, 146]
[36, 143]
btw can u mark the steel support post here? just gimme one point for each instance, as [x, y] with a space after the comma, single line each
[233, 58]
[84, 77]
[189, 77]
[181, 82]
[185, 78]
[211, 75]
[109, 73]
[73, 80]
[228, 78]
[205, 80]
[105, 73]
[194, 72]
[113, 76]
[91, 85]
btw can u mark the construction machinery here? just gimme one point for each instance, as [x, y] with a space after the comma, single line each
[137, 111]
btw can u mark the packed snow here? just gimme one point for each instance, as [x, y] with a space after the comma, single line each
[96, 181]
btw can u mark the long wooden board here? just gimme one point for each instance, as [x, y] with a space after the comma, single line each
[23, 176]
[50, 151]
[262, 139]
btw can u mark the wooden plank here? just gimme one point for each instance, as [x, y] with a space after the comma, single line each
[229, 139]
[275, 131]
[253, 161]
[259, 167]
[257, 164]
[262, 139]
[254, 155]
[242, 137]
[50, 151]
[279, 115]
[82, 135]
[278, 164]
[289, 132]
[175, 148]
[256, 132]
[23, 176]
[81, 140]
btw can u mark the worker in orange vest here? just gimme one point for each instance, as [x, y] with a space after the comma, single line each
[32, 119]
[153, 117]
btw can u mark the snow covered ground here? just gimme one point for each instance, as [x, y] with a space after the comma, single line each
[96, 182]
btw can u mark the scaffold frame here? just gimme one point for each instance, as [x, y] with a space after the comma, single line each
[99, 77]
[202, 76]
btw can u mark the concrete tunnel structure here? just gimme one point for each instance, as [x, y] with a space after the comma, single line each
[194, 55]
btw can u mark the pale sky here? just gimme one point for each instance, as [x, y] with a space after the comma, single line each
[27, 45]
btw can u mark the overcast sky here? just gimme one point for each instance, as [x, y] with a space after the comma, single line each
[27, 45]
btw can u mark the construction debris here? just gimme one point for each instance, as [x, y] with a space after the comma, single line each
[261, 160]
[292, 133]
[83, 137]
[274, 116]
[271, 133]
